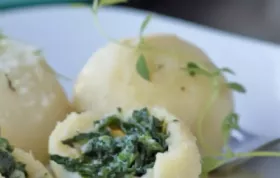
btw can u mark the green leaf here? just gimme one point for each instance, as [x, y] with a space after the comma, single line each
[142, 67]
[236, 87]
[145, 24]
[219, 72]
[230, 123]
[5, 145]
[227, 70]
[193, 69]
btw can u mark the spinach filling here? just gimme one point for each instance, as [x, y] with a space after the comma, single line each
[129, 154]
[9, 167]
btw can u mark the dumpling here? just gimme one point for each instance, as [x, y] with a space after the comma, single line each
[109, 80]
[143, 142]
[32, 100]
[16, 163]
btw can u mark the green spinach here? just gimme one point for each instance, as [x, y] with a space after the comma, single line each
[105, 155]
[9, 167]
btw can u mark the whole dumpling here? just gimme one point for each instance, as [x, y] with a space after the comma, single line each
[32, 100]
[109, 79]
[181, 157]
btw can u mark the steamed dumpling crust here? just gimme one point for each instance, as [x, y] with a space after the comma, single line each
[181, 159]
[32, 100]
[11, 156]
[35, 169]
[109, 80]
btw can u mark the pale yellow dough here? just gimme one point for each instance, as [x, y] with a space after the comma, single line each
[109, 80]
[34, 168]
[182, 159]
[32, 100]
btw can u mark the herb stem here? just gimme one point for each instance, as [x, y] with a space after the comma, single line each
[245, 155]
[137, 46]
[209, 104]
[101, 29]
[258, 154]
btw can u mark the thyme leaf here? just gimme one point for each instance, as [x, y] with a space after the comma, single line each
[236, 87]
[142, 67]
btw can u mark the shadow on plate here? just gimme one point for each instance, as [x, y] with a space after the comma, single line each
[238, 173]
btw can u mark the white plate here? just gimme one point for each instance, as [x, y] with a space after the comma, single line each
[68, 37]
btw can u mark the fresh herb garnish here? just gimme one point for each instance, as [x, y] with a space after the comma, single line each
[230, 123]
[144, 26]
[142, 67]
[236, 87]
[194, 69]
[141, 64]
[95, 7]
[9, 167]
[107, 155]
[209, 163]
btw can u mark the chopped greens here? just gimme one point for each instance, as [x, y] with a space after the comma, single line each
[9, 167]
[105, 155]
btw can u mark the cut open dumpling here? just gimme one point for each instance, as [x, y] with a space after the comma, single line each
[16, 163]
[147, 143]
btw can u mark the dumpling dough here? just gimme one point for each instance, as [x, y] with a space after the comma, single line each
[181, 159]
[109, 80]
[32, 100]
[34, 168]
